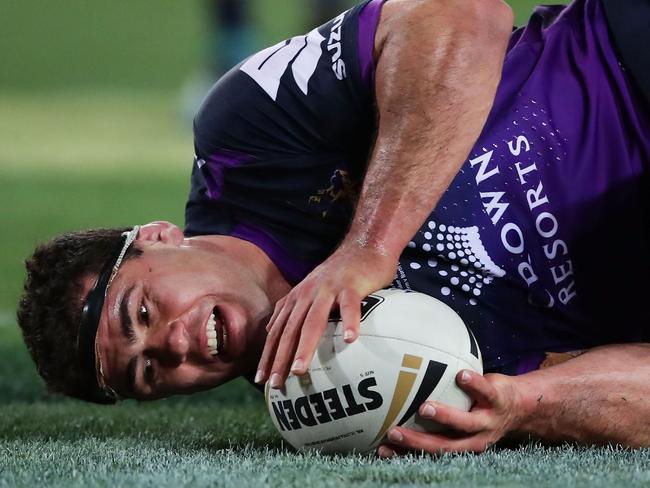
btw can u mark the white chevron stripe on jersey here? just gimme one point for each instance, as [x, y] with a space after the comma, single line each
[305, 64]
[268, 66]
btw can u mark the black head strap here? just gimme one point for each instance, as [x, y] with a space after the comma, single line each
[90, 316]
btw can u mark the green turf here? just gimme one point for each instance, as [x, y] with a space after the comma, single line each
[140, 461]
[224, 438]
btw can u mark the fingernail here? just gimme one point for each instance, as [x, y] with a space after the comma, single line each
[395, 436]
[465, 377]
[259, 376]
[275, 380]
[298, 366]
[428, 411]
[385, 452]
[348, 335]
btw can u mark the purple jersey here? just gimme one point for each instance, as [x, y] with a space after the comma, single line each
[282, 141]
[540, 243]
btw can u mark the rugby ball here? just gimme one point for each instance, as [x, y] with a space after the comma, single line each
[410, 348]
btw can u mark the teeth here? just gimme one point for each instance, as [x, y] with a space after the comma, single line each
[214, 347]
[211, 333]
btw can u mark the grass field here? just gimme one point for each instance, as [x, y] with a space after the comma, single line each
[84, 143]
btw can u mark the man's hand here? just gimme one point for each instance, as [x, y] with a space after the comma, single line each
[300, 318]
[600, 397]
[495, 413]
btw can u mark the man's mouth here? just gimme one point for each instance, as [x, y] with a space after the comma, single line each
[216, 332]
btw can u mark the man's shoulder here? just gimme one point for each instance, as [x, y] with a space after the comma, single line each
[312, 92]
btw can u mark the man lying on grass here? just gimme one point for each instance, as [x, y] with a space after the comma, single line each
[419, 144]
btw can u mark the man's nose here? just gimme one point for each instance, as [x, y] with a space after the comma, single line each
[170, 344]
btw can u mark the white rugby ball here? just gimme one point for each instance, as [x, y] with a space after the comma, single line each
[410, 348]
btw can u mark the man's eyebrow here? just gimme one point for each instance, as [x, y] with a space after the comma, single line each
[130, 375]
[125, 318]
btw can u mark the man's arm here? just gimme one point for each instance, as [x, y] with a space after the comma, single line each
[438, 65]
[600, 397]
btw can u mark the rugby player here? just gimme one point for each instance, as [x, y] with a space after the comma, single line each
[418, 144]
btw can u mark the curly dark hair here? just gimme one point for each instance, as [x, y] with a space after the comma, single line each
[49, 311]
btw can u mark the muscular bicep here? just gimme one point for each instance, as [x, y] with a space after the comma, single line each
[429, 17]
[428, 47]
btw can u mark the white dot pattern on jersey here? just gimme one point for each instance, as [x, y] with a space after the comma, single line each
[472, 269]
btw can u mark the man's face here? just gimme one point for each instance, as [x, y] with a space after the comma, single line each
[152, 338]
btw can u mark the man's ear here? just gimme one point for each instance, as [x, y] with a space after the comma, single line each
[160, 231]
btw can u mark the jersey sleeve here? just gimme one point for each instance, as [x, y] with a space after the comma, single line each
[282, 141]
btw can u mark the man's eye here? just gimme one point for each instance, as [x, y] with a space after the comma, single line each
[143, 314]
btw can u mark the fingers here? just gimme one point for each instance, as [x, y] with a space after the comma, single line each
[306, 328]
[387, 451]
[270, 346]
[275, 328]
[295, 330]
[401, 437]
[276, 311]
[289, 329]
[476, 386]
[350, 306]
[312, 330]
[473, 426]
[454, 419]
